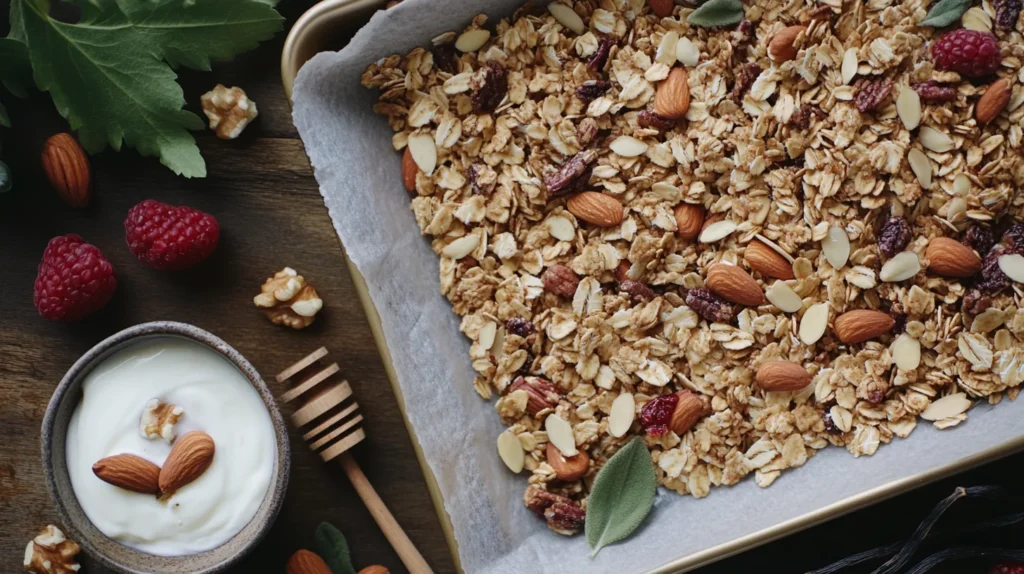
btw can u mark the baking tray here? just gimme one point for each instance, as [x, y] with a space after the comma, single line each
[329, 25]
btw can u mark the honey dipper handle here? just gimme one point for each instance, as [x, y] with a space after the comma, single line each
[387, 523]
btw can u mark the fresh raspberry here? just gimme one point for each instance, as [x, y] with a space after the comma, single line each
[74, 279]
[1007, 568]
[968, 52]
[168, 237]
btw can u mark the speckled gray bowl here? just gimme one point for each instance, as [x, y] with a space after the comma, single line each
[78, 527]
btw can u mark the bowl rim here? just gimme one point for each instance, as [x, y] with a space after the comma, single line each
[101, 351]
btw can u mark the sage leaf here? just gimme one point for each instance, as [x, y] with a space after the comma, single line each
[15, 71]
[622, 495]
[717, 13]
[945, 12]
[333, 548]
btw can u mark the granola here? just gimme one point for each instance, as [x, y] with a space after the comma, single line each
[807, 154]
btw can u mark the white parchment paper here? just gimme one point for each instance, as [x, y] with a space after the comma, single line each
[360, 178]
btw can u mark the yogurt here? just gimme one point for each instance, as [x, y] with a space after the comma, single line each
[217, 399]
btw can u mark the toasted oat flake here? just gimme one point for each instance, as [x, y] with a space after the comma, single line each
[560, 434]
[567, 17]
[717, 231]
[947, 407]
[813, 323]
[921, 166]
[900, 268]
[906, 352]
[511, 451]
[621, 416]
[836, 246]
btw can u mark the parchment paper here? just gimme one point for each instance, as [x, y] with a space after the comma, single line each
[360, 178]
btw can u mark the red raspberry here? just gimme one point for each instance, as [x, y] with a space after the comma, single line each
[74, 279]
[968, 52]
[168, 237]
[1008, 568]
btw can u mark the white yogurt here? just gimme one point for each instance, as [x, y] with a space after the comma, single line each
[217, 399]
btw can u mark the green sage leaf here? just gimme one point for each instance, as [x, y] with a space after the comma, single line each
[4, 120]
[945, 12]
[333, 548]
[622, 495]
[717, 13]
[15, 71]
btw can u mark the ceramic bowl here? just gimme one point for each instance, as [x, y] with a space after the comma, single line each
[79, 528]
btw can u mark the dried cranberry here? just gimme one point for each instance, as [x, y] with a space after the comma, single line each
[830, 425]
[600, 57]
[446, 58]
[709, 306]
[586, 131]
[872, 93]
[979, 238]
[573, 175]
[932, 92]
[1007, 12]
[520, 326]
[649, 119]
[894, 237]
[745, 78]
[592, 89]
[489, 88]
[656, 415]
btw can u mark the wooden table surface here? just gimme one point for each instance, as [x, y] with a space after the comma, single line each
[262, 191]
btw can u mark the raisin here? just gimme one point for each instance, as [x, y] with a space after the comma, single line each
[872, 93]
[745, 78]
[932, 92]
[994, 280]
[709, 306]
[446, 58]
[1014, 238]
[592, 89]
[573, 175]
[600, 57]
[830, 425]
[894, 237]
[527, 367]
[520, 326]
[801, 118]
[900, 322]
[656, 416]
[1007, 12]
[649, 119]
[979, 238]
[490, 87]
[637, 290]
[975, 302]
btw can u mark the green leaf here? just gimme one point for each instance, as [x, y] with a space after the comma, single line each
[109, 74]
[945, 12]
[333, 548]
[622, 495]
[15, 70]
[717, 13]
[4, 120]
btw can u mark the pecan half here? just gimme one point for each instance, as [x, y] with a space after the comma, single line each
[542, 393]
[932, 92]
[649, 119]
[573, 174]
[600, 57]
[872, 93]
[637, 290]
[709, 306]
[560, 280]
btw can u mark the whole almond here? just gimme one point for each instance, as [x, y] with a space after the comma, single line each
[129, 472]
[306, 562]
[375, 569]
[190, 456]
[409, 170]
[782, 376]
[622, 271]
[993, 101]
[781, 48]
[950, 258]
[689, 220]
[689, 410]
[863, 324]
[568, 468]
[767, 261]
[596, 208]
[734, 284]
[67, 168]
[662, 8]
[672, 99]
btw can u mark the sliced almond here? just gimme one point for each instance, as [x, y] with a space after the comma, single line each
[906, 352]
[560, 434]
[511, 451]
[717, 231]
[596, 208]
[129, 472]
[1013, 266]
[472, 40]
[782, 376]
[836, 247]
[921, 166]
[908, 107]
[813, 323]
[561, 228]
[782, 296]
[567, 468]
[567, 17]
[623, 412]
[687, 52]
[461, 247]
[947, 407]
[766, 261]
[424, 152]
[628, 146]
[934, 140]
[861, 325]
[848, 70]
[900, 268]
[189, 458]
[734, 284]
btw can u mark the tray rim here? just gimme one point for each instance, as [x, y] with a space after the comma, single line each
[321, 16]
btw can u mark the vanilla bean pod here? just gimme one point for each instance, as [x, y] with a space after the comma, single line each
[961, 552]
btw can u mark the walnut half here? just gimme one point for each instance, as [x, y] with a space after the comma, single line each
[158, 420]
[287, 299]
[229, 110]
[50, 552]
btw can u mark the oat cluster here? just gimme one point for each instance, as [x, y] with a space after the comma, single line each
[827, 168]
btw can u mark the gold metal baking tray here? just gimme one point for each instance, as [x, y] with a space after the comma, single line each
[329, 25]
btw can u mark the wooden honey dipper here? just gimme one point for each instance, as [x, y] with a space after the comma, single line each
[337, 433]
